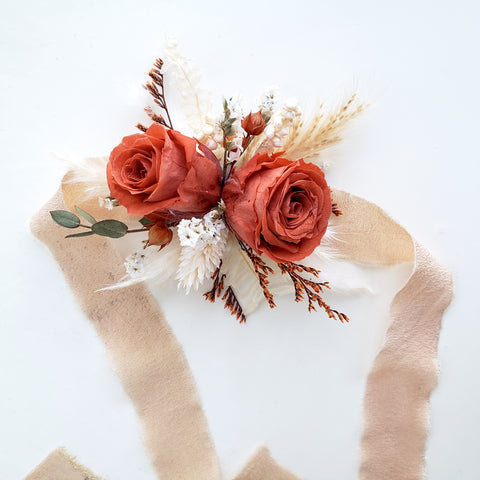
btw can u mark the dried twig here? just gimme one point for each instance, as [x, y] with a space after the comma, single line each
[232, 303]
[335, 210]
[262, 271]
[303, 286]
[218, 285]
[141, 127]
[156, 89]
[229, 297]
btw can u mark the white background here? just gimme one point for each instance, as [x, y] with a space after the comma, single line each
[69, 84]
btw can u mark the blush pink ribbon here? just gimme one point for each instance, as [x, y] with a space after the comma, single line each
[154, 372]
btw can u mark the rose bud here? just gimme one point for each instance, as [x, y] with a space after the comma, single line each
[253, 123]
[159, 234]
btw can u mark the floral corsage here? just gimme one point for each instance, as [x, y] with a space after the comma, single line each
[233, 208]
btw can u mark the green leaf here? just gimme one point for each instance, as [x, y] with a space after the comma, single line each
[145, 221]
[82, 234]
[65, 218]
[85, 215]
[110, 228]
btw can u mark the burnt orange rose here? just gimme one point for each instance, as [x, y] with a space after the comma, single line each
[164, 173]
[278, 207]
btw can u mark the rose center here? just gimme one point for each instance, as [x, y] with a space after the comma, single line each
[294, 207]
[136, 171]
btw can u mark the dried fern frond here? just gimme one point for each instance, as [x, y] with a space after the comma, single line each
[185, 78]
[309, 137]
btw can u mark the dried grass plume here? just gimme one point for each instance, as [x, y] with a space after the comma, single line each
[308, 137]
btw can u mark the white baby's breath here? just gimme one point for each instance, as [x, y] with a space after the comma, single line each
[266, 102]
[235, 105]
[107, 202]
[134, 264]
[279, 126]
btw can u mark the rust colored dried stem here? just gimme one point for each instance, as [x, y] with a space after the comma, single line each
[303, 286]
[156, 89]
[232, 303]
[335, 210]
[155, 117]
[229, 297]
[141, 127]
[262, 271]
[218, 285]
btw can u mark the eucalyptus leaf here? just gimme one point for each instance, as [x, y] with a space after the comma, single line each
[81, 234]
[85, 215]
[110, 228]
[145, 221]
[65, 219]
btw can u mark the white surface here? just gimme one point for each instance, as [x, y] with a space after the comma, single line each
[69, 83]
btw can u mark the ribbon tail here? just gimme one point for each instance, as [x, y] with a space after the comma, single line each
[404, 374]
[144, 351]
[60, 465]
[263, 466]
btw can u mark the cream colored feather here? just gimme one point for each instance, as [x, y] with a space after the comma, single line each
[91, 172]
[159, 265]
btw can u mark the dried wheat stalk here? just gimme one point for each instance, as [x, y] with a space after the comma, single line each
[308, 138]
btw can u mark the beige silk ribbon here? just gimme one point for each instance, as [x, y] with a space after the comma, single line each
[156, 376]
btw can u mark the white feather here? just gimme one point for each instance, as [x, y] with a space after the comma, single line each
[159, 265]
[91, 173]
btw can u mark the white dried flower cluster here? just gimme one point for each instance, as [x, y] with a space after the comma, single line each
[236, 111]
[211, 134]
[203, 241]
[107, 202]
[198, 232]
[235, 105]
[134, 264]
[281, 121]
[267, 101]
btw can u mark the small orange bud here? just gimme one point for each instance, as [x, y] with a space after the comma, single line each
[253, 123]
[159, 234]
